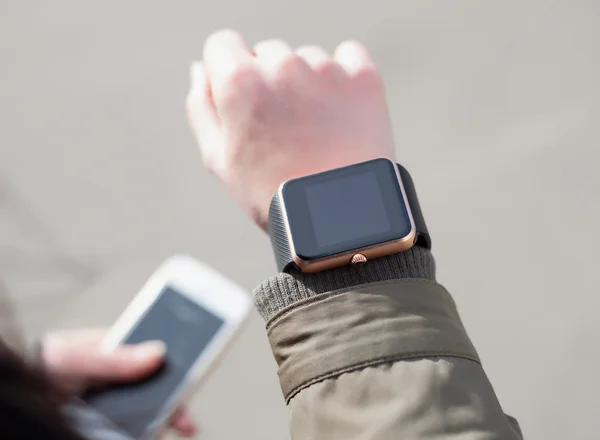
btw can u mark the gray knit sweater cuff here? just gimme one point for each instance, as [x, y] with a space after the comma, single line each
[288, 288]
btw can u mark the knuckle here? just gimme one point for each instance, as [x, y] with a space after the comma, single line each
[221, 36]
[367, 76]
[266, 44]
[242, 83]
[326, 66]
[353, 45]
[288, 64]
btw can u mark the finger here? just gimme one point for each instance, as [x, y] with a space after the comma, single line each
[126, 363]
[354, 57]
[272, 52]
[224, 52]
[201, 111]
[183, 424]
[131, 362]
[315, 56]
[91, 336]
[55, 344]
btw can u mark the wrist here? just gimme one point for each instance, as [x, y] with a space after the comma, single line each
[293, 286]
[346, 215]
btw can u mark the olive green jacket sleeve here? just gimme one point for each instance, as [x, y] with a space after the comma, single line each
[378, 351]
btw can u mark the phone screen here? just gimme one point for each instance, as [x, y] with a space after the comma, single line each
[186, 328]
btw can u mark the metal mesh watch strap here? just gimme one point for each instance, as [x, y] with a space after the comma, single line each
[279, 238]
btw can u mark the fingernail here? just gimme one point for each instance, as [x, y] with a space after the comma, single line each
[150, 349]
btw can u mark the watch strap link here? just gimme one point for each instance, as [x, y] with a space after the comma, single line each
[278, 233]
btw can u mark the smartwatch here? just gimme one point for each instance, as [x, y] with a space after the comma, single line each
[344, 216]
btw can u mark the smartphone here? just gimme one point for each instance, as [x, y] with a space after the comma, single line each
[196, 311]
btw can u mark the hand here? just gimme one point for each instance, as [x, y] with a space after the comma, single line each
[272, 114]
[74, 360]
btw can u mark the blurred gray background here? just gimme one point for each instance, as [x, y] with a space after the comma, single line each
[495, 108]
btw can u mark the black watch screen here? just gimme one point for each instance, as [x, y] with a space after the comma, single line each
[345, 209]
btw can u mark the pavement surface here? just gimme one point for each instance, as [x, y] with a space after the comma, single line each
[495, 108]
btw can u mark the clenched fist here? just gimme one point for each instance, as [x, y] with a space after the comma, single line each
[271, 113]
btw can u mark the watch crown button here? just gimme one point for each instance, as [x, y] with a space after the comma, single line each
[358, 258]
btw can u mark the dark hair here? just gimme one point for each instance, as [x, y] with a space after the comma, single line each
[29, 402]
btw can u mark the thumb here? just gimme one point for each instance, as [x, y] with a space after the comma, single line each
[201, 112]
[131, 362]
[125, 363]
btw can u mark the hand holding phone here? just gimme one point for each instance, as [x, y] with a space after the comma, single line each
[73, 359]
[195, 311]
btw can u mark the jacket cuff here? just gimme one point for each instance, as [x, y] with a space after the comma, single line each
[285, 289]
[386, 322]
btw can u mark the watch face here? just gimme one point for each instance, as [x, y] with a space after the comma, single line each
[345, 209]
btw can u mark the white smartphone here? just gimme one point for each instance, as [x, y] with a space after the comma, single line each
[196, 312]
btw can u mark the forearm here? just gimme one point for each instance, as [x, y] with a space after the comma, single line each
[378, 350]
